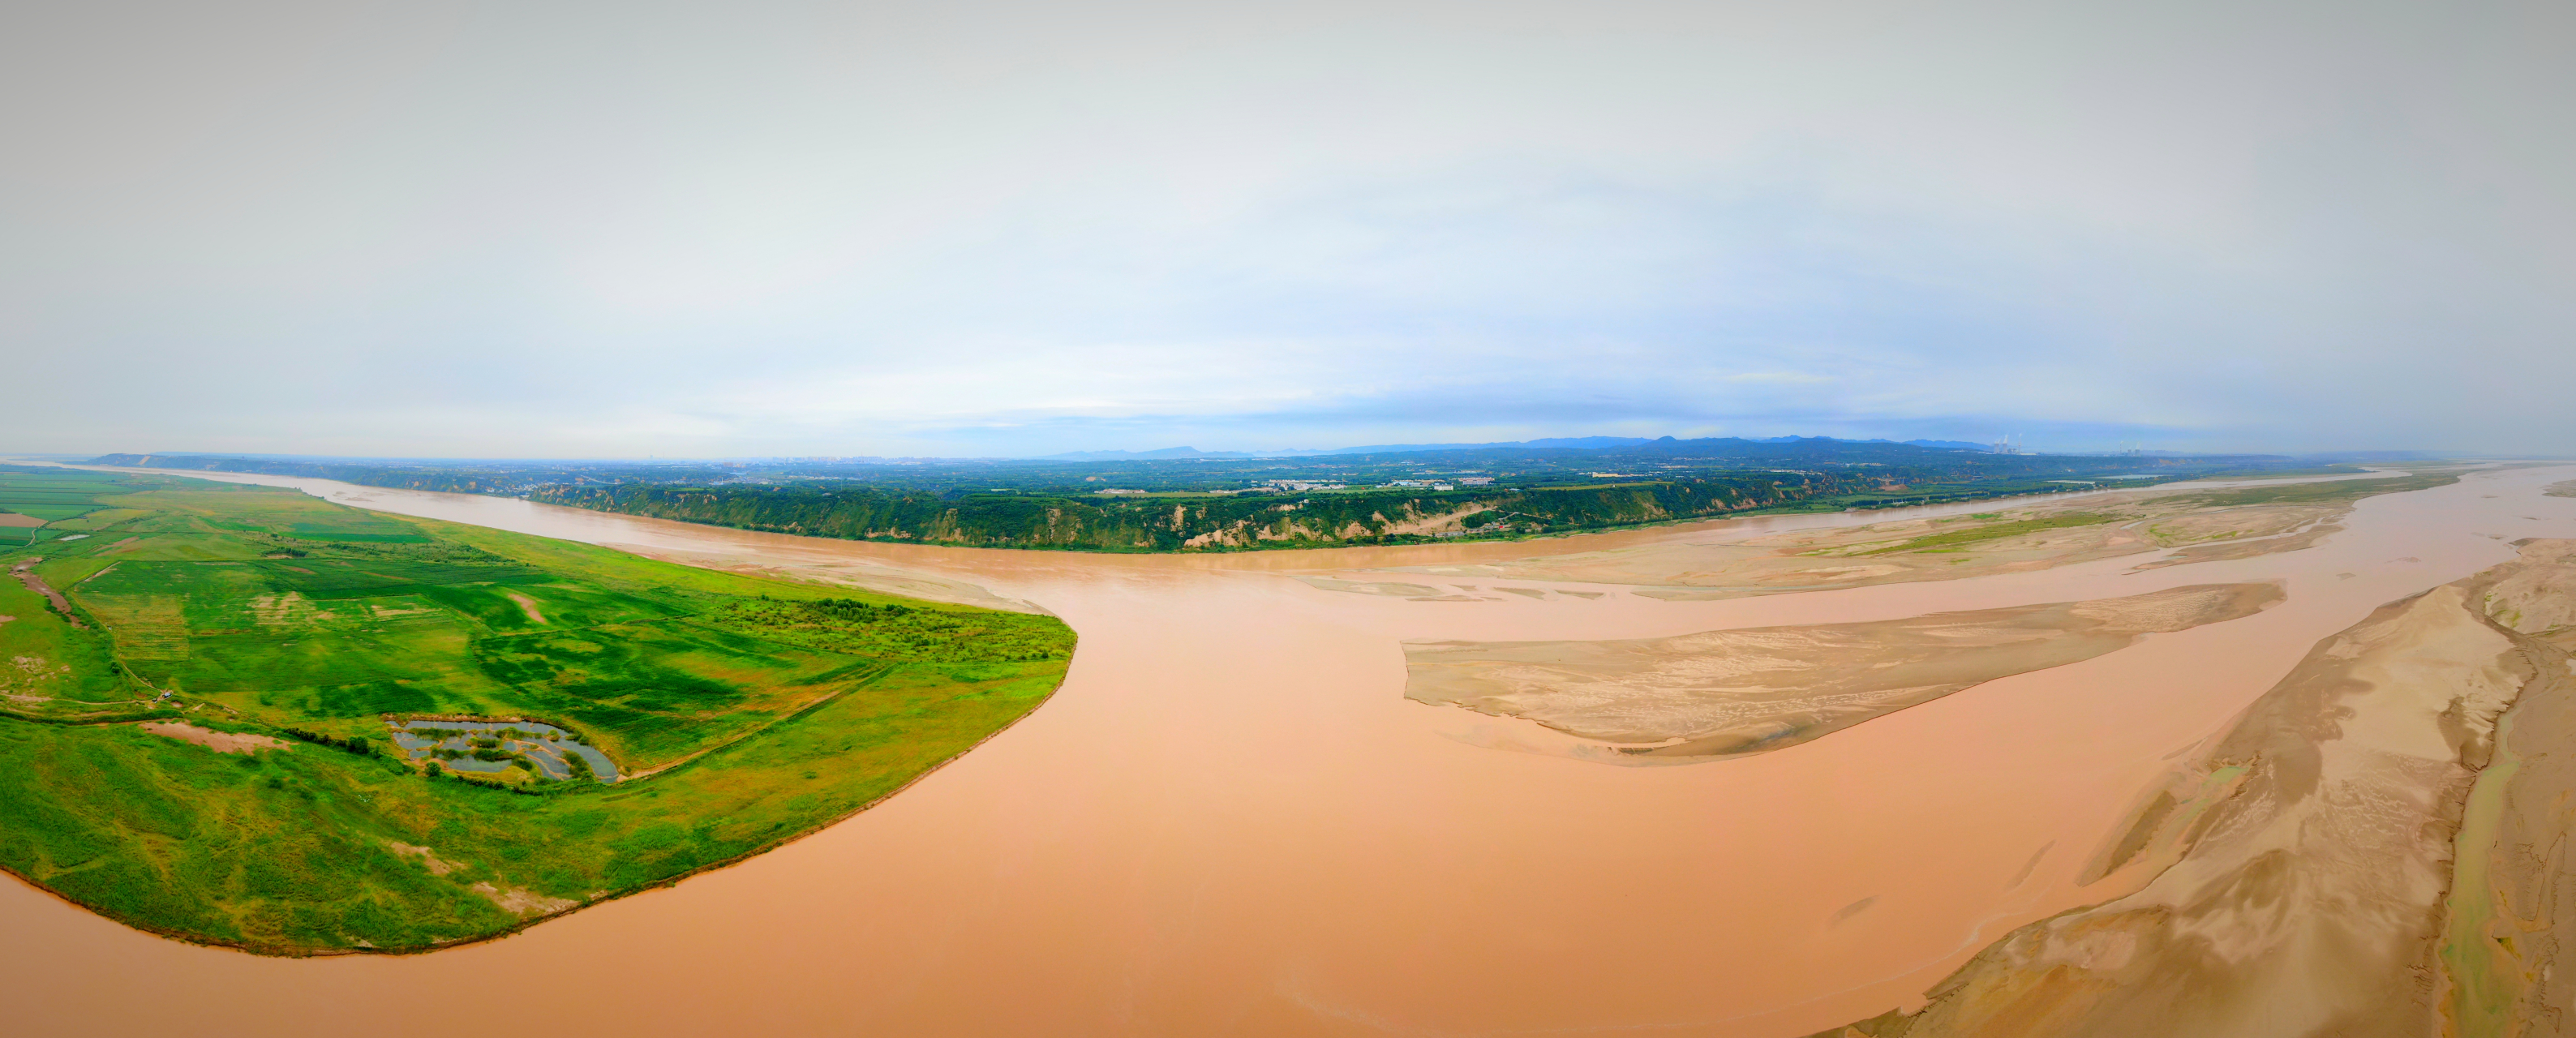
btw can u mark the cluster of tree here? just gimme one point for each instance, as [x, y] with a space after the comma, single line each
[351, 744]
[1196, 522]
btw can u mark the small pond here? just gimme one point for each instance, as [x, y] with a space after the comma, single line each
[488, 747]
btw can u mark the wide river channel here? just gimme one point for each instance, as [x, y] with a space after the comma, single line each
[1230, 821]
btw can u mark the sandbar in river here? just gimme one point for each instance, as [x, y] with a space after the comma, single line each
[1230, 819]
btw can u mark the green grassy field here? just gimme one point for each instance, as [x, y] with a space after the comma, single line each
[744, 712]
[56, 497]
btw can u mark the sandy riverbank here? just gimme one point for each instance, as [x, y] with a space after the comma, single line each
[2176, 525]
[1230, 820]
[2305, 867]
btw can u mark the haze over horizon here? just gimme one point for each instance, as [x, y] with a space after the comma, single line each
[569, 230]
[1583, 443]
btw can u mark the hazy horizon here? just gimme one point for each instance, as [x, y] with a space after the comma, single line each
[1179, 450]
[573, 230]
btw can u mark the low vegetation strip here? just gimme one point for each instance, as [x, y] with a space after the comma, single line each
[2322, 492]
[1994, 531]
[742, 712]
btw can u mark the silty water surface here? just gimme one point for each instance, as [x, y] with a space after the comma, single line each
[1230, 820]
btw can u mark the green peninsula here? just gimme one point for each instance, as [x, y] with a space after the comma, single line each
[201, 686]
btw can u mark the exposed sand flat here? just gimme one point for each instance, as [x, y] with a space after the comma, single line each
[1750, 690]
[2247, 547]
[516, 900]
[436, 866]
[220, 742]
[529, 606]
[521, 900]
[1182, 840]
[1391, 588]
[2311, 850]
[2512, 908]
[2192, 524]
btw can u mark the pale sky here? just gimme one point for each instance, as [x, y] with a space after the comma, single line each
[617, 229]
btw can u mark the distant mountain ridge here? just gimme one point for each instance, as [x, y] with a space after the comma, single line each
[1167, 452]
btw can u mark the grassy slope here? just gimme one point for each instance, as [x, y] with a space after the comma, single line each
[773, 708]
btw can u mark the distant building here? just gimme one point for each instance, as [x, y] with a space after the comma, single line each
[1476, 481]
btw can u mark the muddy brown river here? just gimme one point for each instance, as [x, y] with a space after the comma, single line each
[1231, 821]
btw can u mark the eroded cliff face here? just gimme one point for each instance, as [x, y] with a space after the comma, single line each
[2316, 876]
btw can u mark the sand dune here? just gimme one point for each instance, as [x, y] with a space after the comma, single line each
[1721, 693]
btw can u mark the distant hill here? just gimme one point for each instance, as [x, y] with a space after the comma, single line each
[1776, 448]
[1566, 442]
[1167, 452]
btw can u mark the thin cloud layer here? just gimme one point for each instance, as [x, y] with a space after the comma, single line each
[573, 229]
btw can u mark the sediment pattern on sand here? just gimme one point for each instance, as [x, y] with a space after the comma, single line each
[1749, 690]
[2177, 527]
[2316, 878]
[2512, 907]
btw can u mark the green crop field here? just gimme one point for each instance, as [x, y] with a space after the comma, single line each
[741, 712]
[51, 496]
